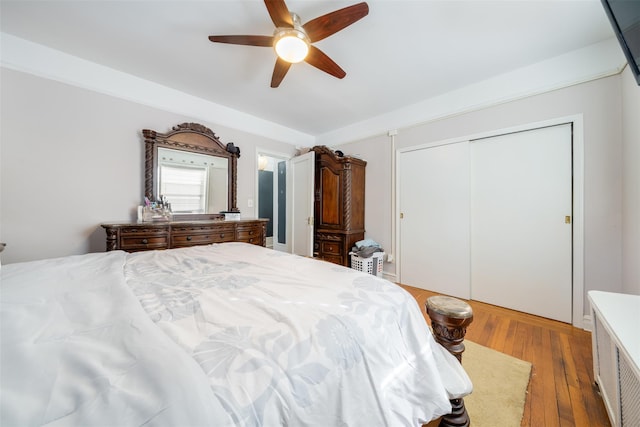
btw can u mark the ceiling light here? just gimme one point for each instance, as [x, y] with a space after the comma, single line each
[291, 45]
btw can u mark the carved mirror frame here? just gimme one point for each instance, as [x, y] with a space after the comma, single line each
[195, 138]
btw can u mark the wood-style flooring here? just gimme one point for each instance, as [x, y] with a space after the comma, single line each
[562, 391]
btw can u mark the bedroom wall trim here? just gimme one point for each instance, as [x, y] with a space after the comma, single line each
[578, 294]
[593, 62]
[28, 57]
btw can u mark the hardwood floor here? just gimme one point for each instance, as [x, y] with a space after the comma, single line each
[562, 390]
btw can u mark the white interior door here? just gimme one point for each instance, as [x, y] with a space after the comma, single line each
[521, 233]
[300, 185]
[433, 189]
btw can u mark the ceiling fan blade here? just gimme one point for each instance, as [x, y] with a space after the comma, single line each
[264, 41]
[279, 71]
[326, 25]
[318, 59]
[279, 13]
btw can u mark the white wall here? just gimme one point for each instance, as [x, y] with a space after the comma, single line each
[71, 159]
[630, 184]
[600, 104]
[378, 213]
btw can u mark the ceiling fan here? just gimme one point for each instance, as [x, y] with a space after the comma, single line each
[292, 41]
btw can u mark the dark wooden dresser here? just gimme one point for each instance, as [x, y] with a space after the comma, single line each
[339, 205]
[146, 236]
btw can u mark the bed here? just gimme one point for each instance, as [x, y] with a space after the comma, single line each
[227, 334]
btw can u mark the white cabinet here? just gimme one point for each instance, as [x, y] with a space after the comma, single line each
[616, 354]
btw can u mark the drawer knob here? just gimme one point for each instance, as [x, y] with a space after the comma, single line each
[221, 234]
[145, 241]
[189, 238]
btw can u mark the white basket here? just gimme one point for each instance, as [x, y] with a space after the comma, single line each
[372, 265]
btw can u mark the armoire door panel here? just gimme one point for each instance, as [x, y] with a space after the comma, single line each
[331, 200]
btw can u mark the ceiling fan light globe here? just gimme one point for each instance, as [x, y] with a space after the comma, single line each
[292, 46]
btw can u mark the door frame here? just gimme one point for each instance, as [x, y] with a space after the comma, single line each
[577, 315]
[280, 157]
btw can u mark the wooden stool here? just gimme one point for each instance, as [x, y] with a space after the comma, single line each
[449, 320]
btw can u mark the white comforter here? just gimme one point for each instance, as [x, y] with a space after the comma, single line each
[243, 336]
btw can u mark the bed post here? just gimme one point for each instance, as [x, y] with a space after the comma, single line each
[449, 320]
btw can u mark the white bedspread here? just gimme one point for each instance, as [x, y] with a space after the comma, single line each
[77, 349]
[247, 336]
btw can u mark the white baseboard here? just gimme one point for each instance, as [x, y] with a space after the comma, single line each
[587, 323]
[389, 277]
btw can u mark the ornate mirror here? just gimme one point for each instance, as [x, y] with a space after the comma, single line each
[192, 170]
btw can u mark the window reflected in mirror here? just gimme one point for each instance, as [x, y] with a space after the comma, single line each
[192, 182]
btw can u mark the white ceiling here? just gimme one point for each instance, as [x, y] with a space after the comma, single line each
[402, 53]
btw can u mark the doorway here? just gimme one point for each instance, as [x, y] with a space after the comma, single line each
[272, 198]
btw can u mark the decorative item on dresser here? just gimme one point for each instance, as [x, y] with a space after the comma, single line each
[145, 236]
[339, 204]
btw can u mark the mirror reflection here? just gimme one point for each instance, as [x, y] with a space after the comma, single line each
[193, 183]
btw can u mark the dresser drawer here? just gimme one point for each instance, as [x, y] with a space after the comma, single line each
[331, 248]
[201, 235]
[133, 243]
[191, 240]
[334, 247]
[252, 240]
[193, 229]
[332, 258]
[133, 239]
[224, 235]
[249, 234]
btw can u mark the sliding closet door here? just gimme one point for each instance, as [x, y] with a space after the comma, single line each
[521, 229]
[433, 191]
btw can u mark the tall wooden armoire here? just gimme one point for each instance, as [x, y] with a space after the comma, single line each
[339, 205]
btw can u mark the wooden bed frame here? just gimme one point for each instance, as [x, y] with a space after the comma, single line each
[449, 320]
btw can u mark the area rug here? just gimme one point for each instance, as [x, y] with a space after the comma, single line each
[499, 386]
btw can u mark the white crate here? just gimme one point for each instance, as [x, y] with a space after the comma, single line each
[372, 265]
